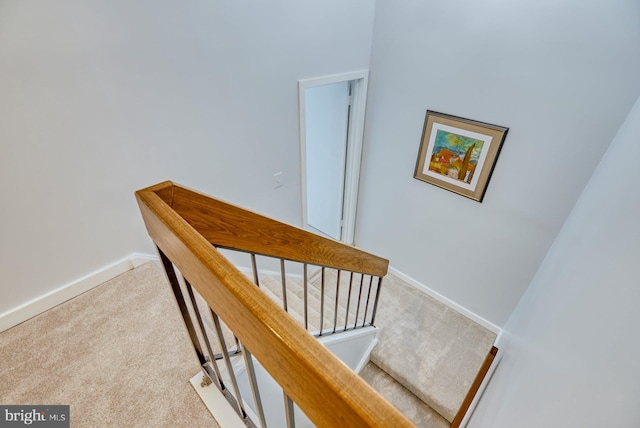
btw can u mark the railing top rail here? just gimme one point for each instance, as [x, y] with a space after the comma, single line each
[228, 226]
[325, 389]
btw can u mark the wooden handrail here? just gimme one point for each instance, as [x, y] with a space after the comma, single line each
[329, 393]
[475, 386]
[229, 226]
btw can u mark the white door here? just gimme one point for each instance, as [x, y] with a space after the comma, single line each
[331, 114]
[326, 120]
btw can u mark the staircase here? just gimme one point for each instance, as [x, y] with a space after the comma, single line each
[427, 355]
[429, 361]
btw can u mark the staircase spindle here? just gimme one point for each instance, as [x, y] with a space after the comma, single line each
[205, 336]
[355, 322]
[288, 410]
[227, 361]
[375, 302]
[284, 285]
[254, 268]
[366, 307]
[305, 298]
[346, 315]
[182, 305]
[255, 389]
[335, 310]
[321, 300]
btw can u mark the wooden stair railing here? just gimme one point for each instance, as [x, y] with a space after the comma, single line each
[186, 225]
[228, 226]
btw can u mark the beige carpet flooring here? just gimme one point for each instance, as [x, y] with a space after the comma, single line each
[118, 355]
[409, 405]
[432, 350]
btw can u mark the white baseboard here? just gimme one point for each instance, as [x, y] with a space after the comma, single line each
[60, 295]
[138, 259]
[447, 302]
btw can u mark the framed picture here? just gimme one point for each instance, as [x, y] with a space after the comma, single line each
[458, 154]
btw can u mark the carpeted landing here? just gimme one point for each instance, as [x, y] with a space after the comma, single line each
[428, 349]
[119, 355]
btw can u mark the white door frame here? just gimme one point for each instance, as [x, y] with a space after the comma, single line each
[354, 145]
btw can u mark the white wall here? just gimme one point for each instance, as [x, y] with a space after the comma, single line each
[101, 98]
[574, 354]
[561, 75]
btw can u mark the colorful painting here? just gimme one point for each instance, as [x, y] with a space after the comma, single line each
[458, 154]
[455, 156]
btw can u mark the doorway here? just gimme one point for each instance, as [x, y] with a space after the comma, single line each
[331, 115]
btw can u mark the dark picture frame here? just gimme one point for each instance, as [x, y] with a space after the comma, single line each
[458, 154]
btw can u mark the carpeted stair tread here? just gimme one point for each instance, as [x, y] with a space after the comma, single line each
[295, 302]
[349, 292]
[295, 305]
[429, 348]
[273, 290]
[406, 402]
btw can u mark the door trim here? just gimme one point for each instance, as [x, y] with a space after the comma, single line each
[360, 81]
